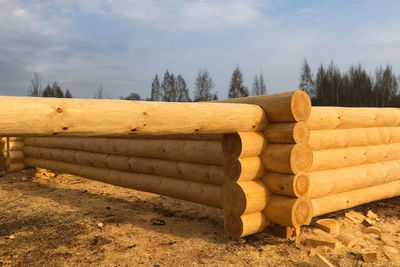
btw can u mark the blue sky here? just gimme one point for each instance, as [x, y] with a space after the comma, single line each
[122, 44]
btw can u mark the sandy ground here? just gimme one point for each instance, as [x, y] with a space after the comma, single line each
[70, 221]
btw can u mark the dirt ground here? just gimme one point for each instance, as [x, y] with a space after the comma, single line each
[70, 221]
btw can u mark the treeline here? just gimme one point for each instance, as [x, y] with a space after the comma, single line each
[49, 91]
[352, 88]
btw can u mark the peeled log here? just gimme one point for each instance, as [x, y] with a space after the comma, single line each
[283, 107]
[289, 211]
[13, 139]
[354, 156]
[340, 138]
[207, 152]
[202, 173]
[87, 117]
[294, 185]
[239, 226]
[242, 145]
[330, 182]
[205, 194]
[14, 156]
[207, 137]
[244, 197]
[244, 169]
[287, 158]
[15, 146]
[287, 133]
[15, 167]
[354, 198]
[324, 118]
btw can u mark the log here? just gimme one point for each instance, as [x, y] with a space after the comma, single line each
[240, 226]
[202, 173]
[13, 139]
[287, 158]
[244, 197]
[15, 167]
[282, 107]
[346, 200]
[287, 133]
[324, 118]
[206, 152]
[87, 117]
[242, 145]
[14, 156]
[353, 156]
[330, 182]
[206, 137]
[15, 146]
[340, 138]
[294, 185]
[289, 211]
[205, 194]
[244, 169]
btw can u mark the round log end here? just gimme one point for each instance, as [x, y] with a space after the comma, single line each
[233, 198]
[300, 105]
[302, 212]
[233, 225]
[239, 226]
[232, 145]
[301, 184]
[301, 133]
[232, 169]
[301, 158]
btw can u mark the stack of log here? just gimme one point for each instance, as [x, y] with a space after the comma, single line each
[356, 156]
[12, 154]
[267, 171]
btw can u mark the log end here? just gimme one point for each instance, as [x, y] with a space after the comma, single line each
[301, 133]
[302, 212]
[301, 158]
[233, 198]
[300, 105]
[239, 226]
[232, 169]
[301, 184]
[232, 145]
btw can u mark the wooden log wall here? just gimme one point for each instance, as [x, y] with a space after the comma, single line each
[12, 159]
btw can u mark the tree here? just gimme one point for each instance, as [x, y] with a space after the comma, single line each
[132, 96]
[100, 93]
[259, 87]
[47, 92]
[236, 87]
[68, 94]
[203, 86]
[182, 90]
[168, 87]
[306, 80]
[156, 94]
[57, 92]
[36, 85]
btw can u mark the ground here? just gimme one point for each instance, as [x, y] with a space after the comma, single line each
[66, 220]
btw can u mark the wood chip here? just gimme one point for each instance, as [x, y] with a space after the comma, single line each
[373, 230]
[320, 261]
[372, 215]
[285, 231]
[328, 225]
[11, 236]
[391, 252]
[347, 239]
[354, 216]
[369, 256]
[367, 222]
[316, 241]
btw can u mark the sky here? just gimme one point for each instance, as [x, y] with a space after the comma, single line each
[122, 44]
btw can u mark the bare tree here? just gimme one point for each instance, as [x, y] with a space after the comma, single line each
[203, 86]
[100, 93]
[36, 85]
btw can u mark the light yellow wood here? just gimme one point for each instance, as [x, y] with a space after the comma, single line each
[334, 181]
[287, 133]
[282, 107]
[240, 226]
[13, 139]
[205, 194]
[91, 117]
[243, 144]
[323, 118]
[244, 169]
[206, 137]
[244, 197]
[287, 158]
[196, 151]
[340, 138]
[353, 156]
[289, 211]
[14, 146]
[294, 185]
[354, 198]
[202, 173]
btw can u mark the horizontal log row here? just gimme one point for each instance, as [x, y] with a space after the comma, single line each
[202, 173]
[196, 151]
[13, 157]
[201, 193]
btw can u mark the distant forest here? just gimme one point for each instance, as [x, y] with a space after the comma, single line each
[328, 87]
